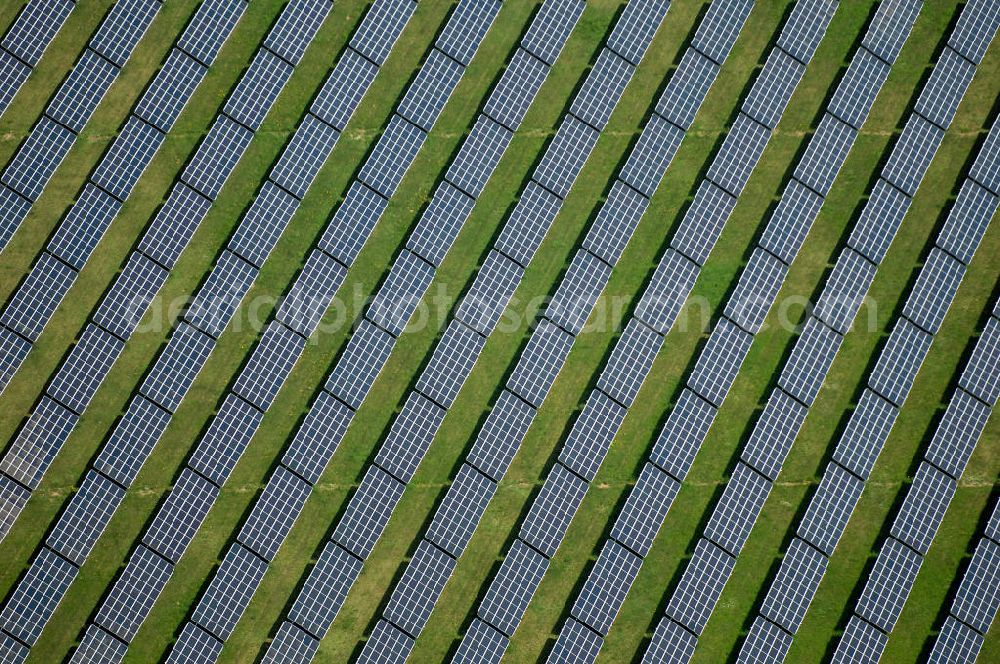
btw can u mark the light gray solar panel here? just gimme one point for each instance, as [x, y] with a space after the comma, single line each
[912, 154]
[399, 295]
[718, 30]
[216, 157]
[957, 433]
[512, 588]
[170, 90]
[274, 513]
[700, 586]
[630, 362]
[360, 364]
[576, 644]
[855, 94]
[453, 359]
[791, 220]
[296, 27]
[738, 508]
[36, 596]
[85, 518]
[39, 294]
[380, 28]
[440, 223]
[773, 434]
[194, 646]
[429, 92]
[132, 291]
[417, 592]
[528, 223]
[645, 509]
[652, 154]
[880, 219]
[736, 159]
[98, 647]
[810, 361]
[845, 290]
[703, 222]
[923, 507]
[606, 586]
[84, 226]
[132, 596]
[210, 27]
[945, 88]
[132, 440]
[410, 436]
[230, 591]
[551, 28]
[225, 439]
[681, 436]
[85, 367]
[34, 28]
[794, 586]
[899, 361]
[720, 361]
[615, 222]
[766, 642]
[258, 89]
[78, 96]
[343, 89]
[667, 291]
[125, 161]
[687, 88]
[318, 437]
[967, 221]
[302, 159]
[826, 153]
[890, 27]
[861, 643]
[501, 435]
[552, 510]
[540, 362]
[269, 365]
[481, 644]
[13, 498]
[565, 156]
[956, 644]
[483, 306]
[461, 510]
[386, 645]
[479, 155]
[581, 286]
[980, 376]
[307, 300]
[592, 434]
[517, 88]
[889, 585]
[802, 33]
[180, 516]
[603, 87]
[634, 30]
[671, 644]
[176, 368]
[974, 30]
[773, 88]
[866, 432]
[368, 512]
[324, 590]
[466, 28]
[262, 224]
[38, 442]
[174, 224]
[352, 223]
[290, 644]
[756, 291]
[934, 290]
[37, 158]
[830, 508]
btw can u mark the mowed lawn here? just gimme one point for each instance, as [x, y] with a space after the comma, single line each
[630, 634]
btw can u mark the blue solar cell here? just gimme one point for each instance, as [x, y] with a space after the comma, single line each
[551, 28]
[174, 224]
[84, 226]
[170, 90]
[380, 28]
[177, 366]
[307, 300]
[352, 223]
[216, 157]
[37, 158]
[128, 157]
[466, 28]
[86, 366]
[78, 96]
[263, 223]
[225, 440]
[124, 26]
[429, 92]
[305, 155]
[318, 437]
[132, 440]
[635, 28]
[392, 156]
[130, 295]
[296, 27]
[133, 594]
[180, 516]
[210, 27]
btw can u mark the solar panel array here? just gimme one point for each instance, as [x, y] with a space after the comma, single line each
[76, 99]
[22, 46]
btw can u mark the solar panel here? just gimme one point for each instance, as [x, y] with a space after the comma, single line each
[410, 436]
[479, 155]
[737, 510]
[389, 160]
[124, 305]
[451, 363]
[805, 28]
[362, 361]
[83, 226]
[890, 27]
[39, 294]
[398, 297]
[296, 27]
[855, 94]
[934, 290]
[700, 586]
[540, 362]
[466, 28]
[670, 641]
[956, 644]
[830, 508]
[273, 514]
[85, 368]
[652, 154]
[899, 362]
[967, 221]
[889, 585]
[979, 376]
[736, 159]
[81, 92]
[368, 512]
[13, 209]
[985, 169]
[756, 290]
[880, 219]
[461, 510]
[703, 221]
[37, 158]
[630, 362]
[386, 639]
[34, 28]
[766, 642]
[912, 154]
[305, 155]
[720, 361]
[773, 88]
[845, 290]
[974, 30]
[483, 306]
[683, 433]
[133, 594]
[552, 510]
[216, 301]
[194, 645]
[791, 220]
[957, 433]
[517, 88]
[687, 88]
[810, 361]
[417, 592]
[132, 440]
[429, 92]
[180, 516]
[123, 28]
[216, 157]
[13, 498]
[380, 28]
[177, 366]
[578, 292]
[209, 28]
[13, 74]
[226, 438]
[993, 525]
[343, 89]
[603, 87]
[923, 508]
[269, 365]
[773, 434]
[717, 31]
[440, 223]
[528, 224]
[511, 589]
[170, 90]
[325, 589]
[635, 29]
[565, 156]
[978, 596]
[318, 437]
[98, 647]
[307, 300]
[861, 642]
[35, 598]
[551, 28]
[501, 435]
[615, 222]
[794, 586]
[592, 434]
[352, 223]
[645, 509]
[945, 88]
[606, 586]
[258, 89]
[37, 443]
[229, 591]
[866, 431]
[576, 643]
[826, 153]
[481, 643]
[262, 224]
[131, 152]
[85, 518]
[667, 291]
[290, 644]
[174, 224]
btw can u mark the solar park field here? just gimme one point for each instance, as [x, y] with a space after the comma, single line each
[420, 331]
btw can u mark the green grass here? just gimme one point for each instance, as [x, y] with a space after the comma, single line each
[760, 557]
